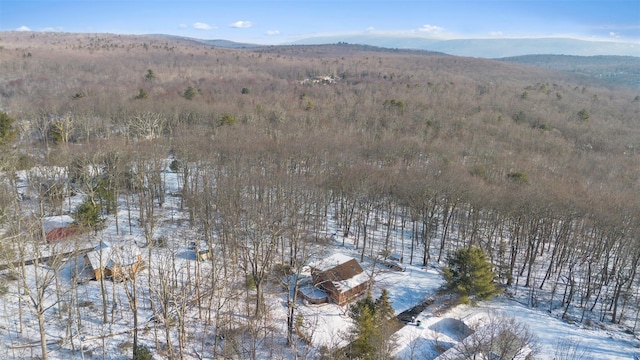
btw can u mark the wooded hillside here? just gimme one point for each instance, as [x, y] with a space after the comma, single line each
[537, 167]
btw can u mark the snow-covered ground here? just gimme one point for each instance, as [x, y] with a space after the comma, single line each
[409, 288]
[324, 324]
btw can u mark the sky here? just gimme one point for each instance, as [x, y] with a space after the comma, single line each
[285, 21]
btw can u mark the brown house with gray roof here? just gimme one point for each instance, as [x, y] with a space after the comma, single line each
[341, 277]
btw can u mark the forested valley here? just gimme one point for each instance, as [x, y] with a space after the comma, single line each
[539, 168]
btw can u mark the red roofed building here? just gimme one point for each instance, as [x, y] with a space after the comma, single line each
[60, 233]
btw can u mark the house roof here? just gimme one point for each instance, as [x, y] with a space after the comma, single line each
[61, 221]
[343, 271]
[104, 255]
[350, 283]
[60, 233]
[331, 262]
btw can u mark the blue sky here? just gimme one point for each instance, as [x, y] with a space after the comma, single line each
[277, 22]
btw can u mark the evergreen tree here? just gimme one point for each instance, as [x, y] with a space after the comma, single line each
[150, 75]
[7, 132]
[372, 333]
[470, 273]
[384, 310]
[189, 93]
[88, 214]
[142, 94]
[365, 331]
[227, 119]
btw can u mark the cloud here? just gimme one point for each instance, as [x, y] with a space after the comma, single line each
[203, 26]
[273, 32]
[370, 29]
[242, 24]
[614, 35]
[183, 26]
[496, 34]
[51, 29]
[23, 28]
[431, 29]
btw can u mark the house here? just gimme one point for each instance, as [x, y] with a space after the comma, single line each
[120, 262]
[340, 277]
[60, 233]
[60, 227]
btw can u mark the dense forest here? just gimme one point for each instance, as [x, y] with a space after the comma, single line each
[540, 168]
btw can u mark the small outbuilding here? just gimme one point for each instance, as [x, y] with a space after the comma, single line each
[340, 277]
[115, 263]
[203, 254]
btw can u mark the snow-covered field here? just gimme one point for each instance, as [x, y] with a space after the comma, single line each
[325, 324]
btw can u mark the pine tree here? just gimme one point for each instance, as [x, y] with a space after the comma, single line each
[7, 132]
[88, 214]
[150, 75]
[7, 135]
[365, 331]
[470, 273]
[189, 93]
[372, 333]
[384, 310]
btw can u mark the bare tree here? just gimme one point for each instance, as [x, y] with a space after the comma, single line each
[39, 268]
[497, 337]
[570, 349]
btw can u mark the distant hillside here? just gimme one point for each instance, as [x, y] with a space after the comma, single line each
[228, 44]
[489, 48]
[613, 69]
[335, 49]
[213, 42]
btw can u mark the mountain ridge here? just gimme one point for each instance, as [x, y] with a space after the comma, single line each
[490, 48]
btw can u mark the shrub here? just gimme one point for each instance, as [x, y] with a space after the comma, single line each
[583, 115]
[479, 171]
[227, 119]
[518, 177]
[175, 165]
[250, 282]
[85, 303]
[142, 95]
[142, 353]
[161, 242]
[308, 106]
[520, 117]
[189, 93]
[25, 162]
